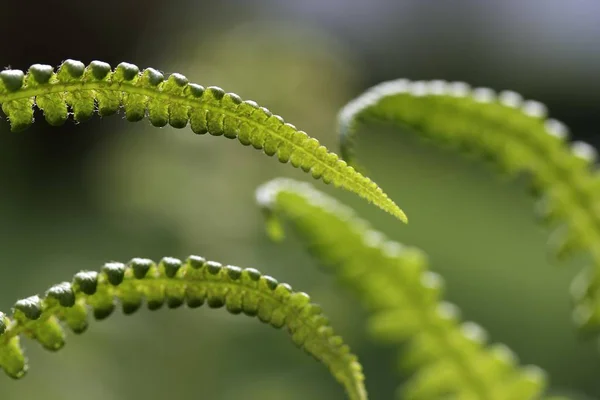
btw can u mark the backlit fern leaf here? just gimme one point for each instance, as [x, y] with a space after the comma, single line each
[85, 90]
[450, 357]
[174, 283]
[514, 135]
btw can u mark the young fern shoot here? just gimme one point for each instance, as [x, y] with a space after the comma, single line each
[174, 283]
[174, 101]
[450, 357]
[515, 136]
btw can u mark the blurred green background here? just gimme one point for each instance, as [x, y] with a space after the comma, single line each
[78, 196]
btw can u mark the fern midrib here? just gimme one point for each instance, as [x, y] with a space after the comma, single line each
[479, 385]
[425, 318]
[27, 92]
[17, 328]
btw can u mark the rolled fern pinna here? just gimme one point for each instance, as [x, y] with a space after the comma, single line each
[172, 282]
[82, 91]
[515, 136]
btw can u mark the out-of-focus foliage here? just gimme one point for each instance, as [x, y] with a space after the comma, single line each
[515, 137]
[450, 357]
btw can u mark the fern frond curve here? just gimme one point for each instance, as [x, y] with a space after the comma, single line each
[174, 101]
[451, 358]
[172, 282]
[514, 135]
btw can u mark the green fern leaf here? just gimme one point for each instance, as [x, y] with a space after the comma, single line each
[173, 101]
[515, 136]
[451, 357]
[174, 283]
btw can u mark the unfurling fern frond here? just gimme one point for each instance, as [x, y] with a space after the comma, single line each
[174, 283]
[450, 357]
[85, 90]
[514, 135]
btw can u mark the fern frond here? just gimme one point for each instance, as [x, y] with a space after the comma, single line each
[514, 135]
[450, 357]
[173, 101]
[174, 283]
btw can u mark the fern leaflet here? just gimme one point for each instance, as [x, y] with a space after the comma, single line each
[173, 282]
[451, 357]
[173, 101]
[514, 135]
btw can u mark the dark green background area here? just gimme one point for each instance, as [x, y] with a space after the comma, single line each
[78, 196]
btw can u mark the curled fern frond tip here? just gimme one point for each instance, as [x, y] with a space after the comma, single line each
[173, 282]
[82, 91]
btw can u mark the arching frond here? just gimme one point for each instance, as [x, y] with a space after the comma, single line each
[174, 101]
[174, 283]
[515, 136]
[451, 358]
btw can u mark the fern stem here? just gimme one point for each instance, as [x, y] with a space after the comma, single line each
[404, 297]
[175, 283]
[176, 102]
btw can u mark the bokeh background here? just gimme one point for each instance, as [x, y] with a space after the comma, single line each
[78, 196]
